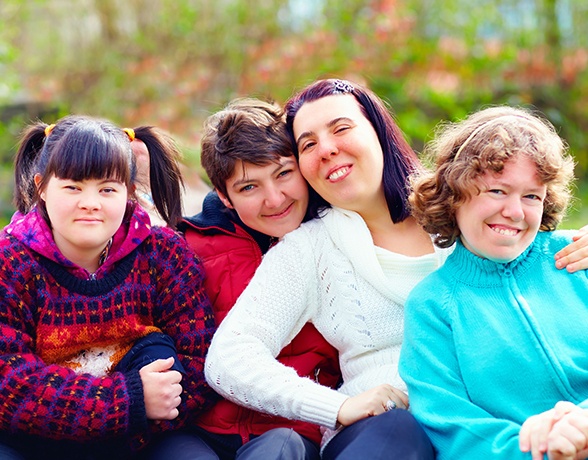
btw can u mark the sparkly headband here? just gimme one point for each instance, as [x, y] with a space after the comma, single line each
[48, 129]
[342, 87]
[482, 127]
[130, 132]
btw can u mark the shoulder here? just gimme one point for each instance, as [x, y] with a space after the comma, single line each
[169, 243]
[552, 242]
[432, 293]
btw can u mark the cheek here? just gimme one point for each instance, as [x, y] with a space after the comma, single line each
[308, 168]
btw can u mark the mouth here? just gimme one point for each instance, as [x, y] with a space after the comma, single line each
[338, 173]
[88, 221]
[280, 214]
[504, 230]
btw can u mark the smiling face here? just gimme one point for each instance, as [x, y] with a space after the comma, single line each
[339, 152]
[84, 216]
[503, 219]
[271, 198]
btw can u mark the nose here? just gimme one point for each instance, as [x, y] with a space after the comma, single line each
[327, 148]
[274, 197]
[89, 201]
[513, 209]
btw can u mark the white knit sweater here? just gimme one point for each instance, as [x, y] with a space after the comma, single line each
[326, 272]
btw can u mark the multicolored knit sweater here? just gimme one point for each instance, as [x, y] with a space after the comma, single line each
[54, 314]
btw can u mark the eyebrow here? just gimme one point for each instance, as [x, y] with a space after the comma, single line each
[278, 167]
[330, 124]
[503, 183]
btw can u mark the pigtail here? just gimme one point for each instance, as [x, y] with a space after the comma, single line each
[30, 146]
[165, 179]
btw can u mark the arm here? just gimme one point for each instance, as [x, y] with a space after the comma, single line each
[50, 400]
[241, 364]
[183, 312]
[438, 396]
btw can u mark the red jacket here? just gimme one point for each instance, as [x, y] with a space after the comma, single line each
[230, 253]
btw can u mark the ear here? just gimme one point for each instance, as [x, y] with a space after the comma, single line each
[224, 199]
[37, 180]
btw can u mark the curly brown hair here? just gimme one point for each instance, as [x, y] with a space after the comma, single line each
[482, 142]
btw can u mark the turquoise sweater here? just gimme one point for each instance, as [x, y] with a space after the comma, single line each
[487, 345]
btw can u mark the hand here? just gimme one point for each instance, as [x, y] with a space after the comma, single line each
[568, 439]
[161, 389]
[535, 431]
[370, 403]
[574, 256]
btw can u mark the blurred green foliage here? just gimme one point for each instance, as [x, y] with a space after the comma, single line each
[173, 62]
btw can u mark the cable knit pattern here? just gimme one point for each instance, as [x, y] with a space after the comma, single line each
[51, 312]
[325, 272]
[487, 345]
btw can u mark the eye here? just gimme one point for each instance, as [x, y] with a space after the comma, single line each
[246, 188]
[306, 146]
[284, 172]
[342, 128]
[496, 191]
[108, 190]
[532, 196]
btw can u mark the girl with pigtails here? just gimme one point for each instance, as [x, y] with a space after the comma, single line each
[104, 324]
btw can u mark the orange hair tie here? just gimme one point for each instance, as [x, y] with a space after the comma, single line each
[130, 132]
[48, 129]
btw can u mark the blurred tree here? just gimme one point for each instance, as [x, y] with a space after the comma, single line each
[172, 62]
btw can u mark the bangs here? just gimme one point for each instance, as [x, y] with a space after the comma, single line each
[92, 154]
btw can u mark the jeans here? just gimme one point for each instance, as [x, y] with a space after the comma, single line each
[276, 444]
[392, 435]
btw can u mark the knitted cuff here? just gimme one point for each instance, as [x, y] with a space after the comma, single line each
[137, 414]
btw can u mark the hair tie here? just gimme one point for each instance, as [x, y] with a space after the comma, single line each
[48, 129]
[130, 132]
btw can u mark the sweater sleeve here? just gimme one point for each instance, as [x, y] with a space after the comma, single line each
[185, 314]
[46, 399]
[438, 397]
[279, 300]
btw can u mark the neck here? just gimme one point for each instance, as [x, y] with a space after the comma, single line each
[406, 237]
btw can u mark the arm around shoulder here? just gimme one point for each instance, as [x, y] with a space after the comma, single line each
[241, 364]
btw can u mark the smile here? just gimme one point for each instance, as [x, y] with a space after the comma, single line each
[504, 231]
[339, 173]
[280, 214]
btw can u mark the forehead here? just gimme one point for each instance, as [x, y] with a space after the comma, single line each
[320, 112]
[245, 170]
[520, 170]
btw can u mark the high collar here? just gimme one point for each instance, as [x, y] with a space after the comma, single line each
[33, 231]
[473, 270]
[216, 218]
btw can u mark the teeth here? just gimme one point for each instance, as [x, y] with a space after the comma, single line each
[337, 174]
[505, 231]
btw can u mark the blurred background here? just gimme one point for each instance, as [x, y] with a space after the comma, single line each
[171, 63]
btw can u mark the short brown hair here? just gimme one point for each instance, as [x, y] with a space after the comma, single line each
[485, 141]
[250, 130]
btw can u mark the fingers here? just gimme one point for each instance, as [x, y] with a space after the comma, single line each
[402, 402]
[574, 257]
[159, 365]
[569, 436]
[565, 444]
[370, 403]
[161, 389]
[534, 432]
